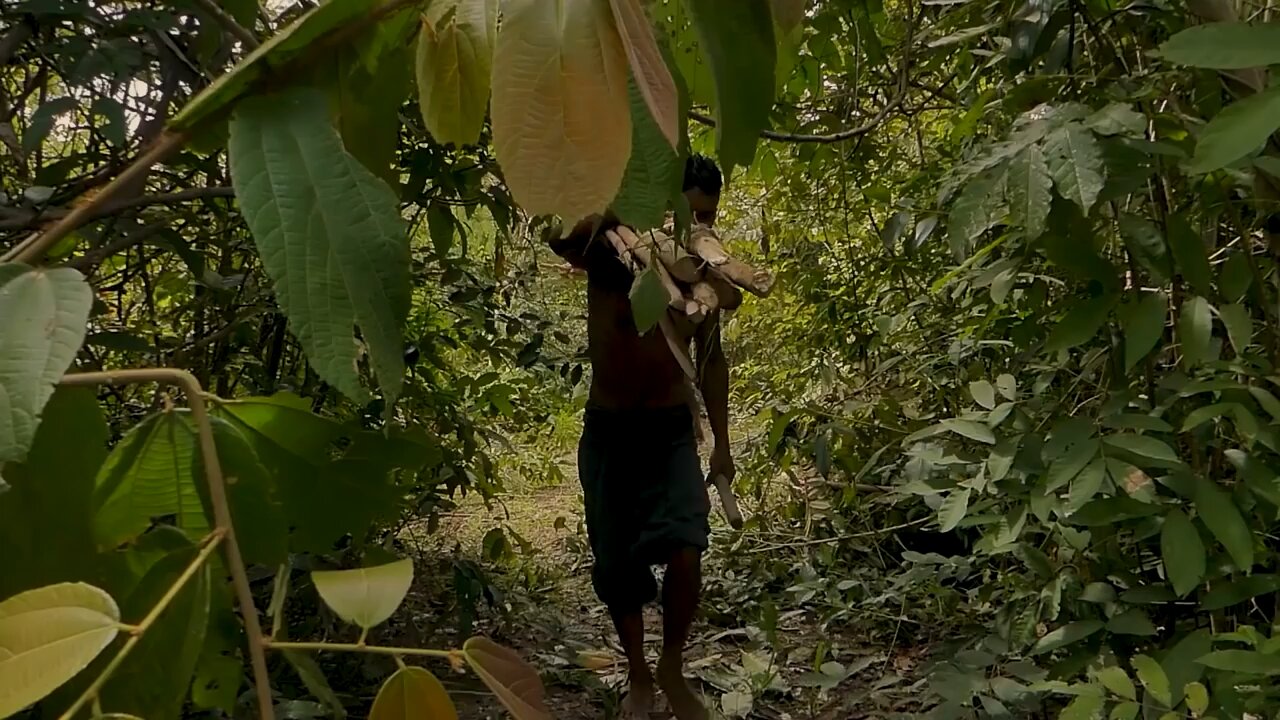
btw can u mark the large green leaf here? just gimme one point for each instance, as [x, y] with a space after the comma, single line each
[1241, 128]
[259, 521]
[1145, 244]
[979, 206]
[953, 510]
[1081, 323]
[1223, 518]
[149, 474]
[1234, 592]
[1247, 662]
[284, 46]
[330, 236]
[324, 495]
[53, 488]
[365, 596]
[412, 692]
[1145, 447]
[1028, 188]
[1179, 662]
[1235, 317]
[49, 634]
[1225, 46]
[1142, 322]
[648, 298]
[1183, 552]
[1195, 330]
[1153, 678]
[654, 171]
[153, 680]
[454, 64]
[1075, 161]
[42, 323]
[1067, 634]
[1190, 254]
[737, 40]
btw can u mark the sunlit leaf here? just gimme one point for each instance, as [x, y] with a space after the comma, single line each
[330, 236]
[44, 313]
[560, 115]
[1238, 130]
[49, 634]
[515, 683]
[1225, 46]
[970, 429]
[953, 510]
[1222, 517]
[1197, 698]
[1153, 678]
[1115, 679]
[412, 692]
[983, 393]
[454, 64]
[1248, 662]
[1027, 187]
[365, 596]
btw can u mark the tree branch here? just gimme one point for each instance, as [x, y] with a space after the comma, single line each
[111, 208]
[228, 23]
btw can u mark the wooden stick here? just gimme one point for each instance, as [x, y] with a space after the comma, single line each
[626, 238]
[728, 502]
[682, 266]
[704, 244]
[729, 296]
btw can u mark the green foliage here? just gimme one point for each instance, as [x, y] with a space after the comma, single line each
[1224, 46]
[1240, 129]
[329, 235]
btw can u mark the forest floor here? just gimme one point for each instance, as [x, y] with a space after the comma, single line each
[544, 607]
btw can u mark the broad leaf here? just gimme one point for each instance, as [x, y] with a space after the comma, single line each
[970, 429]
[49, 634]
[1146, 246]
[1153, 678]
[261, 531]
[1197, 698]
[153, 680]
[1239, 326]
[1179, 662]
[1247, 662]
[1240, 129]
[330, 236]
[1131, 622]
[151, 473]
[978, 208]
[953, 510]
[649, 72]
[1225, 46]
[53, 488]
[1107, 511]
[737, 40]
[1065, 635]
[560, 116]
[1086, 485]
[412, 692]
[1075, 162]
[365, 596]
[1235, 277]
[515, 683]
[1115, 679]
[1195, 330]
[1085, 706]
[1066, 466]
[654, 171]
[1027, 187]
[454, 64]
[1234, 592]
[649, 300]
[1190, 255]
[1183, 552]
[44, 314]
[1081, 323]
[316, 683]
[984, 393]
[1220, 515]
[1142, 322]
[1145, 447]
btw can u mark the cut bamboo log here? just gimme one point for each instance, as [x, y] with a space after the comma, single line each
[705, 295]
[730, 297]
[704, 244]
[625, 241]
[682, 266]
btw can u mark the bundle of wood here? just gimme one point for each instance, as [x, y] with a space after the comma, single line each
[698, 274]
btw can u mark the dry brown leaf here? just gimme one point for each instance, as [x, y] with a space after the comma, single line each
[512, 679]
[652, 76]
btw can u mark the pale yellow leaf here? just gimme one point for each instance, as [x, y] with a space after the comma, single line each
[652, 76]
[560, 113]
[595, 659]
[412, 693]
[454, 63]
[366, 596]
[49, 634]
[515, 683]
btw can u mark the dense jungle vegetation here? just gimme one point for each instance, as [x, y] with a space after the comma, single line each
[1006, 427]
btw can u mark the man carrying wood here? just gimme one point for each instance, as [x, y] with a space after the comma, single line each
[645, 494]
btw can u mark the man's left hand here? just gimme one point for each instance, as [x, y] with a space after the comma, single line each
[722, 463]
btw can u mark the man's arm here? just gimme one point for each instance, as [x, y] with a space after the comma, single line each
[583, 245]
[713, 383]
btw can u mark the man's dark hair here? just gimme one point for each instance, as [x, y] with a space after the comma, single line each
[701, 172]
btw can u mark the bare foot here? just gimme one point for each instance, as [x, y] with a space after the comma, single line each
[639, 700]
[682, 699]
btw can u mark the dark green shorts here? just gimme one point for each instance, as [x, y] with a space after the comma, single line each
[645, 497]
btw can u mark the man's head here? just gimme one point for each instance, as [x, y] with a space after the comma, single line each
[702, 182]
